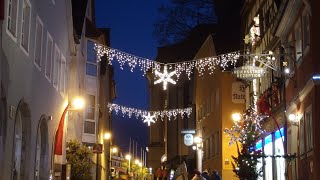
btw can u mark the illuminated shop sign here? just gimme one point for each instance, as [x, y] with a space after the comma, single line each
[248, 72]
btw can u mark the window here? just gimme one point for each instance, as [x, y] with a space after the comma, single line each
[12, 17]
[268, 150]
[56, 63]
[38, 43]
[207, 149]
[215, 144]
[25, 25]
[49, 56]
[301, 136]
[90, 107]
[89, 127]
[306, 30]
[63, 72]
[279, 150]
[91, 65]
[298, 40]
[308, 124]
[88, 13]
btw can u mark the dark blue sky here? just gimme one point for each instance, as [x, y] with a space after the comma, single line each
[131, 24]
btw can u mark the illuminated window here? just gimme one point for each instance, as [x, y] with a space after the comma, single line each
[268, 150]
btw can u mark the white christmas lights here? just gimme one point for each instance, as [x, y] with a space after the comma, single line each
[208, 63]
[170, 113]
[148, 118]
[165, 77]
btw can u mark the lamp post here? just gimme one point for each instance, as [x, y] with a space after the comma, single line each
[198, 148]
[128, 157]
[59, 141]
[112, 150]
[107, 136]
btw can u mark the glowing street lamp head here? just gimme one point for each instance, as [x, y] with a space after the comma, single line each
[77, 103]
[114, 150]
[128, 157]
[107, 135]
[137, 161]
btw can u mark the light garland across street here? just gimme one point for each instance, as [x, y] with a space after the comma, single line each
[150, 116]
[208, 63]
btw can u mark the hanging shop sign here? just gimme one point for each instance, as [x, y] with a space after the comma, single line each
[248, 72]
[238, 93]
[188, 139]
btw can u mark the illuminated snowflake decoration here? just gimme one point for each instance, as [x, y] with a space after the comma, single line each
[148, 119]
[165, 77]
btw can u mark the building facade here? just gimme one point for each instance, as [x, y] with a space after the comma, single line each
[46, 62]
[218, 96]
[35, 53]
[290, 88]
[166, 139]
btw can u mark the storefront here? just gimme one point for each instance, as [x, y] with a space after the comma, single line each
[273, 167]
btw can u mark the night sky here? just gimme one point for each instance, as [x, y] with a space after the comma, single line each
[131, 24]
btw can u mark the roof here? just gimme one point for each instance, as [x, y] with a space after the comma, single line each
[78, 15]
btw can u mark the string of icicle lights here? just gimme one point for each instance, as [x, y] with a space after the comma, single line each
[150, 116]
[208, 63]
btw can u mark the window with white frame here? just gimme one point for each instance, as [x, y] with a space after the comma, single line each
[63, 72]
[38, 43]
[49, 56]
[90, 107]
[91, 65]
[89, 123]
[25, 25]
[308, 124]
[56, 63]
[12, 17]
[298, 40]
[306, 29]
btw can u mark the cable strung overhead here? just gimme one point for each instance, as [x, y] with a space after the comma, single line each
[150, 116]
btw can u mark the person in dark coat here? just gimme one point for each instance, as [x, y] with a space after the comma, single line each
[215, 175]
[205, 174]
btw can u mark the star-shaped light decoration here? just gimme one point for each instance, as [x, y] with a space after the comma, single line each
[148, 118]
[165, 77]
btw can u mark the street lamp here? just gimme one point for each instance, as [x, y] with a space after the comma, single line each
[107, 136]
[236, 117]
[128, 157]
[198, 147]
[112, 150]
[59, 143]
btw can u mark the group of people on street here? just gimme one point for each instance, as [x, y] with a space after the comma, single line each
[206, 176]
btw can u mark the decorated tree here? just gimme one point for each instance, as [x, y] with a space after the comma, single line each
[79, 157]
[245, 134]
